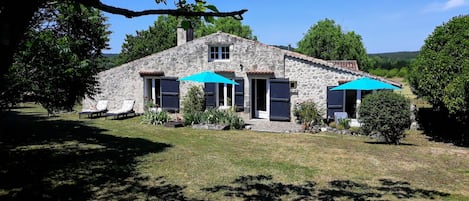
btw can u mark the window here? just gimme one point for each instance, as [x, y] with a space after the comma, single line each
[293, 84]
[229, 94]
[219, 53]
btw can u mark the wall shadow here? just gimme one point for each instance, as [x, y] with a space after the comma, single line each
[69, 160]
[441, 128]
[262, 187]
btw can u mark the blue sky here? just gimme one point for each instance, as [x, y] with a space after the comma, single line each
[385, 25]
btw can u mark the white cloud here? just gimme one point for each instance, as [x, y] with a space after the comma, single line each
[453, 4]
[444, 6]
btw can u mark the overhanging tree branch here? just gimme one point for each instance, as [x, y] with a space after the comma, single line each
[175, 12]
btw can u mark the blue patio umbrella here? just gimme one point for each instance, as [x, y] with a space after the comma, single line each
[365, 83]
[208, 77]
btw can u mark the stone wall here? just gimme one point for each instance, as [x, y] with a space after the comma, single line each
[125, 82]
[312, 80]
[312, 75]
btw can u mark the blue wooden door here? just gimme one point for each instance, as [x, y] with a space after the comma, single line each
[210, 99]
[169, 94]
[280, 99]
[335, 102]
[239, 94]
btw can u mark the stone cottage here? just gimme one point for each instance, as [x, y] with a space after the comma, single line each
[271, 81]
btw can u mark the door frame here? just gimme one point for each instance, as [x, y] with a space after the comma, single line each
[152, 91]
[259, 114]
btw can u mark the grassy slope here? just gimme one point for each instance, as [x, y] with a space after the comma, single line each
[104, 159]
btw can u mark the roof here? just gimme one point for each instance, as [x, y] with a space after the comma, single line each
[349, 64]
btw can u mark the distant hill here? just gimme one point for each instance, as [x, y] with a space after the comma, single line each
[110, 55]
[403, 56]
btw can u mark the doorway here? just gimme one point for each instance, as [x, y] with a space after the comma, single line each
[259, 98]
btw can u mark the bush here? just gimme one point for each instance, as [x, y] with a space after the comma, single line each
[155, 117]
[332, 124]
[387, 114]
[392, 73]
[215, 116]
[194, 100]
[191, 118]
[343, 124]
[403, 72]
[307, 112]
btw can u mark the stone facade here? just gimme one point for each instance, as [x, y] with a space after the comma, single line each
[312, 80]
[248, 59]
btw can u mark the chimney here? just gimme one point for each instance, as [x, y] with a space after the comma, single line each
[184, 36]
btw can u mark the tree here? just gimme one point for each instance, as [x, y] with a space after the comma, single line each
[227, 25]
[13, 30]
[59, 56]
[385, 113]
[440, 74]
[326, 40]
[160, 36]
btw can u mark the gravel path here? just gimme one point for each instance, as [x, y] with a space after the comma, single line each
[273, 126]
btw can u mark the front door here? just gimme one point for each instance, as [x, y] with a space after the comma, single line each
[259, 98]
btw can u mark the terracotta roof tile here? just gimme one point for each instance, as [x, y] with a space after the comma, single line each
[151, 73]
[349, 64]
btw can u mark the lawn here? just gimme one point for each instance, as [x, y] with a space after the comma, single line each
[66, 158]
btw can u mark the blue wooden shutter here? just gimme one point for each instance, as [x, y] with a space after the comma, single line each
[335, 102]
[280, 99]
[210, 99]
[239, 94]
[169, 94]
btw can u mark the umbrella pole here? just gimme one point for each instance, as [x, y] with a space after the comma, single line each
[359, 101]
[225, 95]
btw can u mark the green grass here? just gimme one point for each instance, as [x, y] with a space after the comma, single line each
[407, 92]
[66, 158]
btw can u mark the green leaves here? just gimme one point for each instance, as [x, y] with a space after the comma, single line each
[159, 37]
[212, 8]
[185, 24]
[440, 73]
[385, 113]
[227, 25]
[60, 61]
[326, 40]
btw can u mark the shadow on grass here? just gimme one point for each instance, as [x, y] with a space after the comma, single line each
[68, 160]
[384, 143]
[261, 187]
[441, 128]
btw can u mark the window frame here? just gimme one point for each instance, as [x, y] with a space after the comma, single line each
[219, 52]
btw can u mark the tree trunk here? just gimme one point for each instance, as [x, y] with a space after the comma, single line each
[14, 20]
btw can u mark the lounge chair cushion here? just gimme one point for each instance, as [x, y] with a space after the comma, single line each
[126, 108]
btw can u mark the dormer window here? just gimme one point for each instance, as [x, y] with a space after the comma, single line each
[218, 53]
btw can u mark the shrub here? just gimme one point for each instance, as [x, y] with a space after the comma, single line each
[308, 113]
[214, 116]
[191, 118]
[356, 130]
[392, 73]
[343, 124]
[155, 117]
[385, 113]
[332, 124]
[194, 100]
[403, 72]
